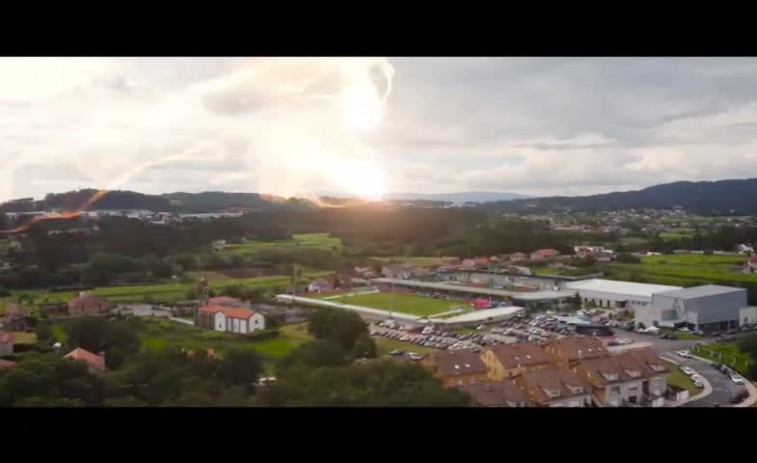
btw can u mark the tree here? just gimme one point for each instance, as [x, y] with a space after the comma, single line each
[364, 347]
[748, 345]
[43, 331]
[95, 334]
[340, 326]
[240, 367]
[316, 354]
[627, 258]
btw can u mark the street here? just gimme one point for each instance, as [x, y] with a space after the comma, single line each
[722, 387]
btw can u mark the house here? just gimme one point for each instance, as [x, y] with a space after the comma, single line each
[620, 379]
[456, 368]
[518, 256]
[366, 272]
[95, 363]
[509, 360]
[87, 304]
[218, 245]
[496, 394]
[399, 271]
[6, 364]
[320, 285]
[225, 301]
[744, 249]
[554, 388]
[15, 319]
[751, 264]
[567, 352]
[541, 254]
[6, 343]
[656, 375]
[230, 319]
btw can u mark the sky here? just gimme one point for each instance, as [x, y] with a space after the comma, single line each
[370, 126]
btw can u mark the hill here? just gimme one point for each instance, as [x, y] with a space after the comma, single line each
[460, 197]
[724, 197]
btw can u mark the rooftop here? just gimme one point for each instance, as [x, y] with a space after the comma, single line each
[546, 385]
[462, 362]
[522, 354]
[494, 393]
[620, 287]
[577, 348]
[518, 295]
[95, 361]
[702, 291]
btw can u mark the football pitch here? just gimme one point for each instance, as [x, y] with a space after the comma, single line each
[405, 303]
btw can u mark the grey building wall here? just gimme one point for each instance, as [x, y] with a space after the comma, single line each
[714, 308]
[615, 394]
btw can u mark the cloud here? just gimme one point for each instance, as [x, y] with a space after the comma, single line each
[536, 126]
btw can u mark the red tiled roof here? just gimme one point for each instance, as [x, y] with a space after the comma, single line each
[14, 311]
[6, 364]
[86, 301]
[224, 301]
[495, 394]
[520, 355]
[231, 312]
[539, 384]
[457, 363]
[211, 309]
[6, 338]
[95, 361]
[600, 371]
[545, 252]
[578, 348]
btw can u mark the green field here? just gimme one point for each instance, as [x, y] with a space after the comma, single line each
[322, 241]
[405, 303]
[384, 346]
[681, 379]
[161, 334]
[686, 269]
[725, 352]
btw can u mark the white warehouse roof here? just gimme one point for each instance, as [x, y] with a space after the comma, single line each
[483, 315]
[626, 288]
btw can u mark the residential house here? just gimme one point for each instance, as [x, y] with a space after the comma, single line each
[554, 388]
[456, 368]
[655, 372]
[568, 352]
[615, 381]
[6, 364]
[16, 318]
[751, 264]
[744, 249]
[225, 301]
[509, 360]
[230, 319]
[450, 260]
[496, 394]
[366, 272]
[95, 363]
[518, 256]
[218, 245]
[541, 254]
[399, 271]
[87, 304]
[6, 343]
[320, 285]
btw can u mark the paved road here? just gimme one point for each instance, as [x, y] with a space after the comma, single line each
[722, 387]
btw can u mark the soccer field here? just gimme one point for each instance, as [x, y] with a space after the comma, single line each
[405, 303]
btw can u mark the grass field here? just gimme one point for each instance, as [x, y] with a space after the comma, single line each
[405, 303]
[680, 379]
[726, 352]
[25, 338]
[686, 269]
[312, 241]
[384, 346]
[161, 334]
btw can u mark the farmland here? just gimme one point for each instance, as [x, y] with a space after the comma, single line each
[405, 303]
[686, 269]
[320, 241]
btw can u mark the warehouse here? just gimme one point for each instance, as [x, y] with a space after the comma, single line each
[616, 294]
[706, 308]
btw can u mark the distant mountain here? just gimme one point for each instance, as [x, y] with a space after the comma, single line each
[213, 201]
[724, 197]
[460, 197]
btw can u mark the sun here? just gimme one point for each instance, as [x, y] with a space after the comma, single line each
[360, 178]
[360, 107]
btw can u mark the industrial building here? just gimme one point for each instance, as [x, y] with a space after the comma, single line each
[616, 294]
[707, 308]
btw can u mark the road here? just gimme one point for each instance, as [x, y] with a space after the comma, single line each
[722, 387]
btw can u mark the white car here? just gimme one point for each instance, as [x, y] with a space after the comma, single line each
[737, 379]
[698, 383]
[685, 330]
[684, 353]
[688, 370]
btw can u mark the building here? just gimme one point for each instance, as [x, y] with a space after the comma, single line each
[225, 301]
[6, 343]
[616, 294]
[518, 256]
[16, 318]
[568, 352]
[706, 308]
[615, 380]
[95, 363]
[496, 394]
[655, 372]
[87, 304]
[456, 368]
[541, 254]
[230, 319]
[744, 249]
[509, 360]
[399, 271]
[748, 316]
[554, 388]
[320, 285]
[751, 264]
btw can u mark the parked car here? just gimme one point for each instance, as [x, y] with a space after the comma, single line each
[684, 354]
[397, 352]
[688, 370]
[737, 379]
[698, 383]
[685, 330]
[415, 356]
